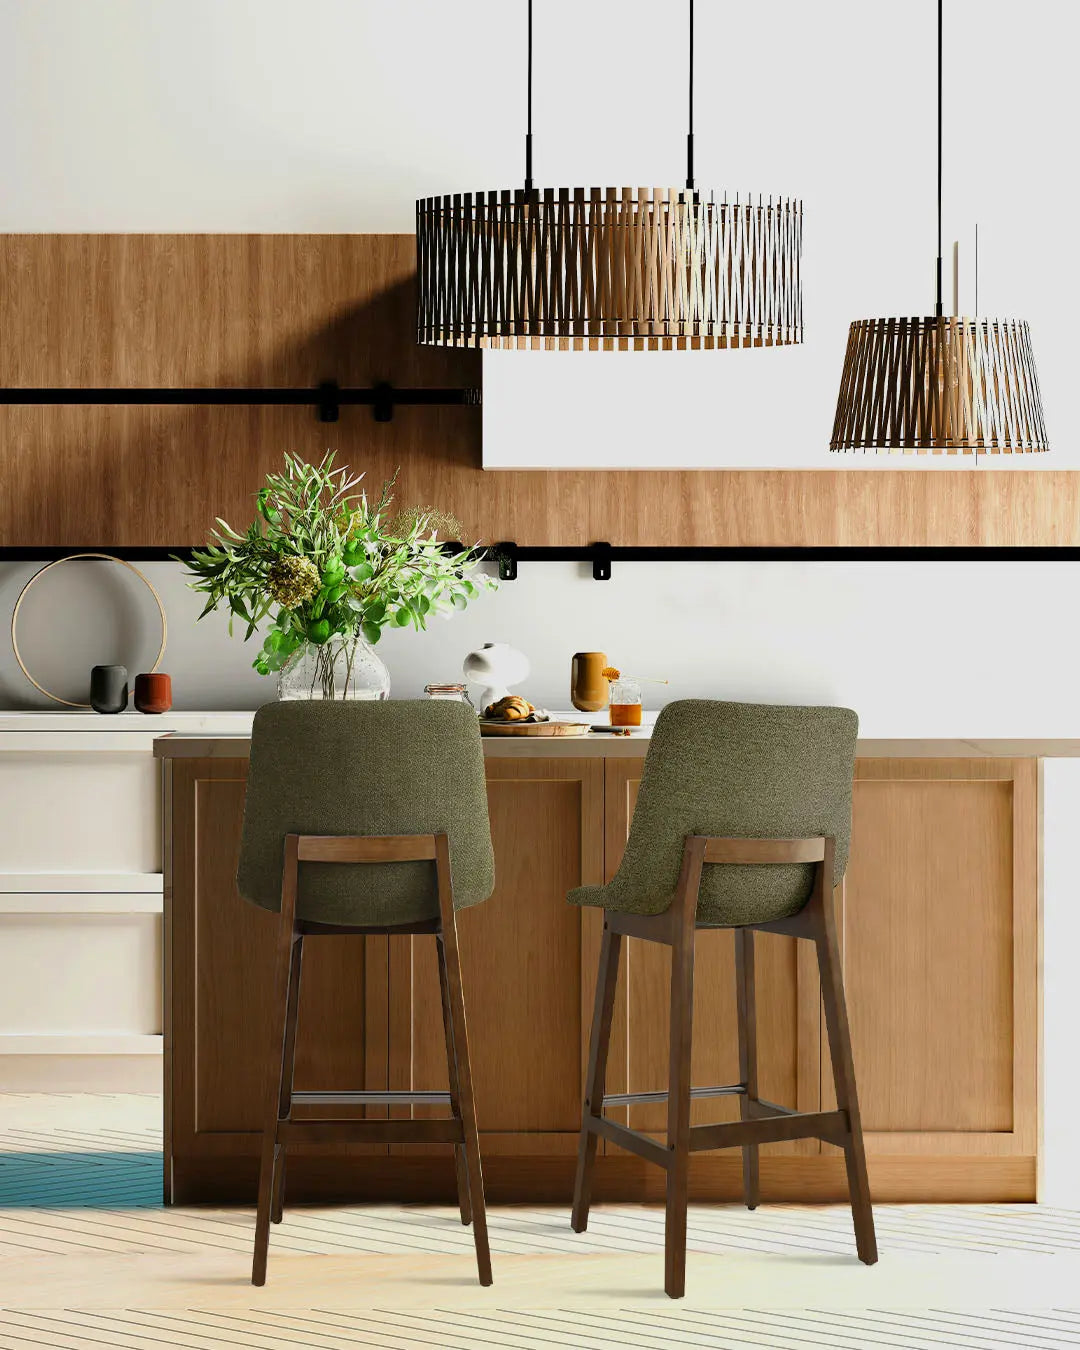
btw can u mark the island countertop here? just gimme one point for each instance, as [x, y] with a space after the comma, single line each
[603, 745]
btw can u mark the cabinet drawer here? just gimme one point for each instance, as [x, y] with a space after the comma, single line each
[70, 811]
[79, 973]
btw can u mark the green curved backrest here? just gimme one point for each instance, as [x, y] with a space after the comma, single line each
[366, 768]
[746, 770]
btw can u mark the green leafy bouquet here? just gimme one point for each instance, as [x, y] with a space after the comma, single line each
[335, 566]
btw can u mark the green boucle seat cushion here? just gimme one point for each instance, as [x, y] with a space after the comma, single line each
[359, 768]
[746, 770]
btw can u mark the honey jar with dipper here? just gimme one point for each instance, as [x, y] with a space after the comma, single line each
[624, 700]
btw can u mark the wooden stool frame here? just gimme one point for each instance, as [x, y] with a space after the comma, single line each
[762, 1121]
[280, 1131]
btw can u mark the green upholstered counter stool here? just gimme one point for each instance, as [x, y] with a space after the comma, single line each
[742, 821]
[366, 818]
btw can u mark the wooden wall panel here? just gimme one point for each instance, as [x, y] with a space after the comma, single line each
[297, 309]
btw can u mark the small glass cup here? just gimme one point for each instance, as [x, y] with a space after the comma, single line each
[624, 706]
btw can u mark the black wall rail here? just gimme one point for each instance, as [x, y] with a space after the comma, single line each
[509, 556]
[327, 398]
[602, 556]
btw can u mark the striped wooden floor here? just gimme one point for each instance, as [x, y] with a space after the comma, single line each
[323, 1329]
[90, 1259]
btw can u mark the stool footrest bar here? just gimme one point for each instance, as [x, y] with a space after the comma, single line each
[661, 1095]
[631, 1140]
[831, 1126]
[418, 1098]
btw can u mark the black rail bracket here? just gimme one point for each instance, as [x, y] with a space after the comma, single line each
[506, 555]
[601, 562]
[382, 404]
[329, 408]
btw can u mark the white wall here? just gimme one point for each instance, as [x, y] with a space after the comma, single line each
[835, 106]
[918, 649]
[336, 114]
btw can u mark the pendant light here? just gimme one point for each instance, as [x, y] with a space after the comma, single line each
[607, 267]
[944, 385]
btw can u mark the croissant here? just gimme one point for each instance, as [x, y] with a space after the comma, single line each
[513, 708]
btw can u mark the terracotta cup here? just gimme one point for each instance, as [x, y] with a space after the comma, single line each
[153, 693]
[588, 688]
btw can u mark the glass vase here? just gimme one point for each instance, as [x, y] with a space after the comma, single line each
[346, 666]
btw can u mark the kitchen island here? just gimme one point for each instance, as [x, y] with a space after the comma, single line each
[940, 936]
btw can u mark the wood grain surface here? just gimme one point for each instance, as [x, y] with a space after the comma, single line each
[548, 729]
[940, 955]
[939, 944]
[521, 959]
[257, 310]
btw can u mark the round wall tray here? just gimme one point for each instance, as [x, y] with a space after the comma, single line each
[105, 557]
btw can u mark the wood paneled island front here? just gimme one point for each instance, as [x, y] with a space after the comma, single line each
[940, 934]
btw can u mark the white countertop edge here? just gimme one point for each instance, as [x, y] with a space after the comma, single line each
[209, 734]
[125, 723]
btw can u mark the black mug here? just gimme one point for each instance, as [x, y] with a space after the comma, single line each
[109, 689]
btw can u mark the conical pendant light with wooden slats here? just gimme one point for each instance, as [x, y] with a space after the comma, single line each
[943, 385]
[607, 267]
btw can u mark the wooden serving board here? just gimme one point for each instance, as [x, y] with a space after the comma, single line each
[492, 728]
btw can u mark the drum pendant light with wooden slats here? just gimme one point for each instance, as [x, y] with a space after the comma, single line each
[943, 385]
[607, 267]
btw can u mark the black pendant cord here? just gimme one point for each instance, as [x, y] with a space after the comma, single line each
[939, 310]
[528, 114]
[690, 132]
[528, 106]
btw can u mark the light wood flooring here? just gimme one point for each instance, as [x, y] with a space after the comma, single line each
[90, 1259]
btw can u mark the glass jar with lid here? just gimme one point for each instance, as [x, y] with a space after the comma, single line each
[457, 692]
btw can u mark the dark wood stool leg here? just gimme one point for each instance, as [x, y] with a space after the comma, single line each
[836, 1020]
[288, 1066]
[678, 1177]
[599, 1040]
[461, 1167]
[274, 1072]
[448, 941]
[744, 987]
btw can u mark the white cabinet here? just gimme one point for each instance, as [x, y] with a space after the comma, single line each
[81, 898]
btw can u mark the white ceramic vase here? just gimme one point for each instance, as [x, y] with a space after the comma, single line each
[495, 666]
